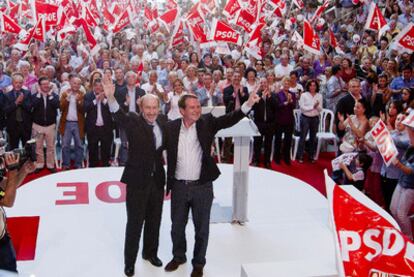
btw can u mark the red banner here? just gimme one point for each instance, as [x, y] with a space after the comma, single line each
[245, 20]
[254, 45]
[39, 32]
[310, 39]
[232, 6]
[194, 16]
[406, 38]
[375, 20]
[223, 32]
[89, 17]
[8, 25]
[122, 22]
[178, 35]
[368, 243]
[48, 11]
[169, 17]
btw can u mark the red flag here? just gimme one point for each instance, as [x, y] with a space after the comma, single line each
[108, 19]
[49, 11]
[140, 69]
[93, 44]
[8, 25]
[299, 4]
[310, 39]
[39, 32]
[375, 20]
[116, 9]
[320, 10]
[63, 28]
[245, 20]
[406, 38]
[23, 44]
[122, 22]
[169, 17]
[70, 10]
[194, 16]
[15, 10]
[254, 45]
[232, 6]
[93, 8]
[223, 32]
[368, 240]
[178, 34]
[200, 36]
[148, 14]
[171, 4]
[334, 43]
[89, 17]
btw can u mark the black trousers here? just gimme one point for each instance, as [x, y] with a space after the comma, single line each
[7, 255]
[267, 132]
[198, 198]
[20, 133]
[287, 131]
[143, 205]
[387, 187]
[96, 136]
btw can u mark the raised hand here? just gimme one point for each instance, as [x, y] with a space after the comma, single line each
[109, 88]
[253, 99]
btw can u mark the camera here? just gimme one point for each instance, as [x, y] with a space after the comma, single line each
[28, 152]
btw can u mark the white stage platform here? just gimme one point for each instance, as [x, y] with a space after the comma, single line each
[288, 225]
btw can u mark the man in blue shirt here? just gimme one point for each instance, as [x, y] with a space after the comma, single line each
[5, 80]
[404, 81]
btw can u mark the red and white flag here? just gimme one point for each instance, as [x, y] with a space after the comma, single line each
[26, 38]
[69, 10]
[320, 10]
[195, 16]
[8, 25]
[48, 11]
[171, 4]
[405, 38]
[39, 32]
[376, 20]
[220, 31]
[334, 43]
[122, 21]
[89, 17]
[116, 9]
[254, 45]
[384, 142]
[169, 17]
[93, 8]
[108, 19]
[178, 34]
[232, 6]
[200, 36]
[367, 239]
[245, 20]
[93, 44]
[64, 28]
[311, 40]
[299, 4]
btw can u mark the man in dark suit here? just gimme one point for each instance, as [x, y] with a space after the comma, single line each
[127, 98]
[17, 107]
[264, 118]
[45, 107]
[144, 175]
[98, 125]
[191, 171]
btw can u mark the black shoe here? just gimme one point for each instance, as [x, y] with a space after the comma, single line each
[197, 271]
[173, 265]
[52, 170]
[129, 271]
[287, 162]
[255, 163]
[277, 161]
[37, 170]
[267, 165]
[155, 261]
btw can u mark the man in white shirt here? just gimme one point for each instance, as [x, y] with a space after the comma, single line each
[191, 171]
[284, 68]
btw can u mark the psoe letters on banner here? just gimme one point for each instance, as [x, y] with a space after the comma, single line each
[388, 242]
[227, 34]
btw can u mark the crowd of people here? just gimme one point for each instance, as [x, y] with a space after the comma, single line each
[54, 92]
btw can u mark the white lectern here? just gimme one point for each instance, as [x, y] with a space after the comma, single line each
[242, 133]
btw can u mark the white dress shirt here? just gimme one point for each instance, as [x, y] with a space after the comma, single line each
[72, 111]
[307, 103]
[132, 107]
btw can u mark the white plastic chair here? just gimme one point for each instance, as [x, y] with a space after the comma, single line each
[325, 132]
[216, 111]
[295, 138]
[117, 142]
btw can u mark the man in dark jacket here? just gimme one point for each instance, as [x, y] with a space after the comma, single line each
[17, 106]
[45, 106]
[191, 172]
[144, 175]
[98, 126]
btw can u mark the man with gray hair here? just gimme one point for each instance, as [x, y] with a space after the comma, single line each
[144, 175]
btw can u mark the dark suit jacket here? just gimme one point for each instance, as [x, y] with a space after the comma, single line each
[42, 116]
[207, 127]
[91, 111]
[143, 158]
[230, 101]
[122, 92]
[269, 107]
[10, 107]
